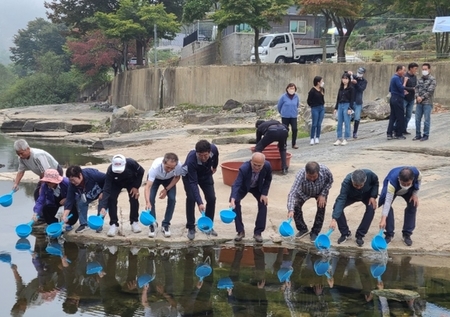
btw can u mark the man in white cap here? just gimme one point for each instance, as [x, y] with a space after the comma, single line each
[122, 173]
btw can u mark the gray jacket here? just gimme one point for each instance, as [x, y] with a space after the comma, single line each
[425, 89]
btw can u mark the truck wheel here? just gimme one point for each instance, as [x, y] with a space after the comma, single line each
[318, 60]
[280, 60]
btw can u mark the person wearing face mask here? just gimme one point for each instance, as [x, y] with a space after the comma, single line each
[424, 98]
[360, 84]
[316, 101]
[288, 109]
[401, 181]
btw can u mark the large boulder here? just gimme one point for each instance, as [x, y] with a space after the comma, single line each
[377, 109]
[126, 125]
[49, 125]
[77, 126]
[13, 125]
[29, 126]
[124, 112]
[231, 104]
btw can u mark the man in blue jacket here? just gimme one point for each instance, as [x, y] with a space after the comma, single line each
[198, 169]
[86, 185]
[361, 185]
[51, 197]
[122, 173]
[401, 181]
[254, 177]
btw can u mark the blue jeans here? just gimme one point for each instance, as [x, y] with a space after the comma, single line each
[409, 105]
[171, 199]
[317, 114]
[425, 111]
[343, 117]
[358, 110]
[83, 209]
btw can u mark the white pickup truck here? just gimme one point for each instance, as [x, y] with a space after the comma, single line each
[281, 48]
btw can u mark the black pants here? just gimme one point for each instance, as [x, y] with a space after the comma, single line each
[365, 222]
[112, 205]
[49, 212]
[261, 217]
[300, 222]
[397, 116]
[276, 134]
[293, 123]
[207, 186]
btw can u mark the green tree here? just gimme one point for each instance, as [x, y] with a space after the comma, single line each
[39, 37]
[197, 9]
[345, 14]
[256, 13]
[8, 78]
[135, 20]
[429, 9]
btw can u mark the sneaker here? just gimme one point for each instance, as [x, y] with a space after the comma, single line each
[166, 231]
[313, 237]
[112, 249]
[301, 233]
[388, 239]
[239, 236]
[402, 137]
[152, 230]
[112, 231]
[316, 140]
[407, 240]
[338, 142]
[284, 171]
[135, 227]
[344, 238]
[191, 234]
[417, 138]
[311, 142]
[68, 228]
[258, 238]
[389, 137]
[359, 241]
[355, 135]
[424, 138]
[344, 142]
[80, 229]
[213, 233]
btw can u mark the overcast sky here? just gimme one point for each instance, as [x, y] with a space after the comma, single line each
[14, 15]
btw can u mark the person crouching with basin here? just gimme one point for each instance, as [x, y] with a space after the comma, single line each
[51, 197]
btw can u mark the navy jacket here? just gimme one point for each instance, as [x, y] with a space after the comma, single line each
[47, 198]
[350, 193]
[243, 181]
[194, 169]
[131, 176]
[360, 86]
[392, 183]
[94, 180]
[263, 127]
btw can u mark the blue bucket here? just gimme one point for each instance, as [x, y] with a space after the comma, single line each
[321, 267]
[93, 268]
[227, 215]
[6, 200]
[205, 224]
[23, 244]
[286, 229]
[146, 218]
[95, 222]
[225, 283]
[322, 241]
[23, 230]
[379, 243]
[284, 274]
[55, 229]
[5, 257]
[145, 279]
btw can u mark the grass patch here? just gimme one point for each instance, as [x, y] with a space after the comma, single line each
[203, 109]
[244, 131]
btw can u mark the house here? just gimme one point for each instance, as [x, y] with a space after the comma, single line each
[237, 40]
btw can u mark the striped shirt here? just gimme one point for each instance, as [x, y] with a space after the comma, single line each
[305, 189]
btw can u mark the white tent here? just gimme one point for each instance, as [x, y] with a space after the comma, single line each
[441, 24]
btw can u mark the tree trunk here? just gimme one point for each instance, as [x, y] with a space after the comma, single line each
[138, 52]
[257, 59]
[125, 54]
[442, 45]
[341, 49]
[219, 47]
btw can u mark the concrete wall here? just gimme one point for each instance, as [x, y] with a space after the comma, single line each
[198, 54]
[214, 85]
[236, 48]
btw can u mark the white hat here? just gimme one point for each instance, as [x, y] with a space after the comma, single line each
[118, 163]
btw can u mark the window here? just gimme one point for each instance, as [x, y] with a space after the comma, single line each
[279, 39]
[243, 27]
[297, 27]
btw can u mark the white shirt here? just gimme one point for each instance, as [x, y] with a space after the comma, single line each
[157, 171]
[38, 162]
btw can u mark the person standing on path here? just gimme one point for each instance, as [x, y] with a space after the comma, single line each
[410, 97]
[288, 108]
[316, 101]
[344, 108]
[360, 84]
[397, 115]
[424, 97]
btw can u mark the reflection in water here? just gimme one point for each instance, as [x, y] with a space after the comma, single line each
[204, 281]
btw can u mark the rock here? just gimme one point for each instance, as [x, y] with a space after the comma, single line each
[377, 110]
[248, 108]
[49, 125]
[238, 139]
[124, 112]
[13, 125]
[125, 125]
[231, 104]
[77, 126]
[29, 126]
[196, 118]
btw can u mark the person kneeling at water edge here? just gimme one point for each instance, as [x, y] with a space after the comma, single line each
[254, 177]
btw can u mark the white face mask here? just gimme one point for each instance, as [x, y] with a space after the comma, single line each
[291, 91]
[425, 73]
[405, 187]
[359, 75]
[322, 84]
